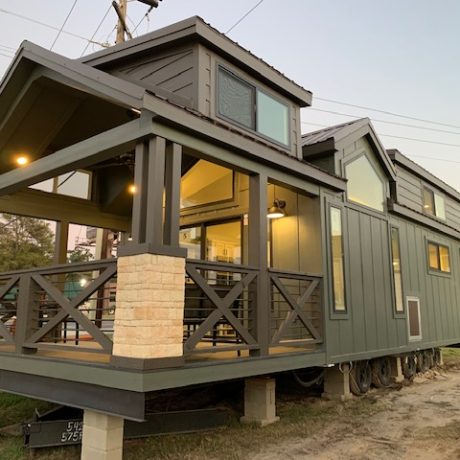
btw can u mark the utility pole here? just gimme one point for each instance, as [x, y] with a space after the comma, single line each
[121, 9]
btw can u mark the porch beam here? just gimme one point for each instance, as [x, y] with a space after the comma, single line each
[78, 156]
[246, 147]
[44, 205]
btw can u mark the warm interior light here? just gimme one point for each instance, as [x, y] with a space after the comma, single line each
[83, 282]
[22, 160]
[277, 210]
[132, 189]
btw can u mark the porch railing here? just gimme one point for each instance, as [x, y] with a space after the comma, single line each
[64, 307]
[220, 308]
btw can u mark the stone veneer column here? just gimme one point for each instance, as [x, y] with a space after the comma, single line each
[150, 306]
[102, 437]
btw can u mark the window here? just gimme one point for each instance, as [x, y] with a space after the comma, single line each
[252, 108]
[215, 242]
[204, 184]
[338, 274]
[396, 261]
[438, 258]
[433, 204]
[414, 324]
[364, 184]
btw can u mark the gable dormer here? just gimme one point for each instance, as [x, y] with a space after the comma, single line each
[353, 151]
[195, 66]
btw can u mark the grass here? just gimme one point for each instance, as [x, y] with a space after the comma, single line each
[301, 416]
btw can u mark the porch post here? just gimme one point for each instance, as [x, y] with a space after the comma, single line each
[148, 330]
[257, 236]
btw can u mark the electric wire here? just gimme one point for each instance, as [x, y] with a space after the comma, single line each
[396, 123]
[244, 16]
[386, 112]
[63, 24]
[49, 26]
[405, 138]
[145, 16]
[97, 29]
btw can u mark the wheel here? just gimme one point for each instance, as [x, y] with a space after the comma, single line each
[428, 357]
[437, 357]
[409, 367]
[421, 361]
[381, 372]
[360, 377]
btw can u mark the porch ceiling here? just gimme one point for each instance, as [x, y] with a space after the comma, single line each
[49, 102]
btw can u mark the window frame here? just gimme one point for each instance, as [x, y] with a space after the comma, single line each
[438, 271]
[356, 157]
[334, 313]
[434, 193]
[218, 204]
[397, 313]
[414, 338]
[255, 88]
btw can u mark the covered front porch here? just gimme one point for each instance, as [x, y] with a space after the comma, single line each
[200, 272]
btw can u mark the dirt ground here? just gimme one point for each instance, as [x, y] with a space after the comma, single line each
[420, 421]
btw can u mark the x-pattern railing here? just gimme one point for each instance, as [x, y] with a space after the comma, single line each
[8, 308]
[296, 303]
[221, 305]
[44, 306]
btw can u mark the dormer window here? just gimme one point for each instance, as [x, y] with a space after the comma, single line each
[252, 108]
[365, 186]
[433, 204]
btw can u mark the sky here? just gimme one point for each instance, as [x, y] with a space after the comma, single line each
[397, 56]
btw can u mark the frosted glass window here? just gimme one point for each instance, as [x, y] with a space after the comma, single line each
[397, 279]
[272, 118]
[236, 99]
[428, 201]
[364, 185]
[338, 275]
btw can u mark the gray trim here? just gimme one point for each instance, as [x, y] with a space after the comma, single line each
[422, 219]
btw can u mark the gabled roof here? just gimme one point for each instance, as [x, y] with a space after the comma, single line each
[329, 140]
[29, 56]
[196, 29]
[398, 158]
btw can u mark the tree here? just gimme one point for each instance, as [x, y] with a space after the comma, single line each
[25, 242]
[79, 255]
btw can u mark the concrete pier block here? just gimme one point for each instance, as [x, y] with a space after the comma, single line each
[396, 370]
[337, 383]
[102, 437]
[259, 401]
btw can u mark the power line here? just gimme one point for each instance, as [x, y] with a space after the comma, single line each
[146, 16]
[244, 16]
[63, 24]
[97, 29]
[420, 140]
[44, 24]
[7, 55]
[388, 135]
[394, 114]
[406, 125]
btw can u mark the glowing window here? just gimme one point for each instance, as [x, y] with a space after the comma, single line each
[364, 185]
[438, 258]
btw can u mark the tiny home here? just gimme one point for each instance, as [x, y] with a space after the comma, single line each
[243, 249]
